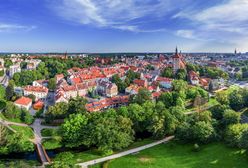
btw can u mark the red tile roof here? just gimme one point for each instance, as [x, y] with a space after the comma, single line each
[23, 101]
[36, 89]
[105, 103]
[139, 82]
[38, 105]
[163, 79]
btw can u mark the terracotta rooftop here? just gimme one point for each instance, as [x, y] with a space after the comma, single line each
[23, 101]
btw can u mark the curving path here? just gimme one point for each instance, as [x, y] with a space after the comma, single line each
[37, 127]
[100, 160]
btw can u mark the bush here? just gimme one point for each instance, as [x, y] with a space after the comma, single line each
[48, 132]
[2, 104]
[196, 148]
[105, 164]
[234, 133]
[38, 113]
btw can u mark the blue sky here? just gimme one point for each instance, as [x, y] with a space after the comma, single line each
[123, 25]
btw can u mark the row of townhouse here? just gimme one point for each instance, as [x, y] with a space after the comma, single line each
[195, 79]
[107, 103]
[40, 92]
[32, 64]
[64, 91]
[107, 88]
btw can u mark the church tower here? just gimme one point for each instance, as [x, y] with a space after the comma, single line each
[176, 61]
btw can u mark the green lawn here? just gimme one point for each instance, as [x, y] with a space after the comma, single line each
[46, 132]
[79, 157]
[18, 163]
[52, 143]
[10, 119]
[27, 131]
[173, 155]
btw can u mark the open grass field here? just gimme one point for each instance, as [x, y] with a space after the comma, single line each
[27, 131]
[46, 132]
[173, 155]
[10, 119]
[52, 143]
[79, 157]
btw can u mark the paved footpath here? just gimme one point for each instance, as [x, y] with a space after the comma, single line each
[100, 160]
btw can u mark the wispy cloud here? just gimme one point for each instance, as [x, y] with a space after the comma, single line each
[4, 27]
[226, 22]
[117, 14]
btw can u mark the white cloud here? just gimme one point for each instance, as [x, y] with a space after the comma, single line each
[117, 14]
[14, 27]
[185, 33]
[224, 23]
[231, 16]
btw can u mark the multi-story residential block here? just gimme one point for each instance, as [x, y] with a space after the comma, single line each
[107, 88]
[164, 82]
[194, 78]
[40, 92]
[24, 102]
[40, 83]
[107, 103]
[14, 69]
[33, 64]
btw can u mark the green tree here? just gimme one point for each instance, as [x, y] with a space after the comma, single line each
[2, 92]
[222, 97]
[58, 111]
[63, 160]
[167, 72]
[203, 132]
[184, 132]
[179, 85]
[234, 133]
[236, 100]
[7, 63]
[23, 65]
[3, 135]
[142, 96]
[75, 131]
[243, 141]
[231, 117]
[167, 99]
[120, 84]
[131, 75]
[181, 74]
[111, 133]
[2, 72]
[32, 96]
[218, 111]
[52, 84]
[10, 91]
[77, 105]
[137, 115]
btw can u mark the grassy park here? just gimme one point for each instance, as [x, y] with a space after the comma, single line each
[173, 155]
[26, 131]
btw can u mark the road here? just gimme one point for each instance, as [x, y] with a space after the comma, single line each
[14, 123]
[37, 127]
[100, 160]
[6, 125]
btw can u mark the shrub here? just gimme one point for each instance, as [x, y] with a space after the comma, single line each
[196, 148]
